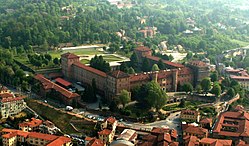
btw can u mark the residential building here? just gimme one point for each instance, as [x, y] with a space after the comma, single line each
[4, 89]
[30, 126]
[242, 80]
[190, 115]
[232, 125]
[206, 123]
[49, 88]
[95, 142]
[11, 137]
[194, 141]
[108, 130]
[192, 130]
[10, 104]
[48, 127]
[127, 135]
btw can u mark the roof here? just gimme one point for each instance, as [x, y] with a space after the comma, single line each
[69, 55]
[47, 84]
[216, 142]
[12, 99]
[96, 142]
[198, 63]
[33, 123]
[164, 137]
[195, 130]
[60, 141]
[140, 77]
[90, 69]
[6, 95]
[160, 130]
[63, 82]
[19, 132]
[110, 120]
[143, 49]
[206, 121]
[191, 140]
[10, 135]
[105, 132]
[169, 63]
[239, 77]
[128, 135]
[236, 120]
[47, 137]
[150, 138]
[119, 74]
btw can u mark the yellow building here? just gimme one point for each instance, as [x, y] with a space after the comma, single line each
[190, 115]
[10, 139]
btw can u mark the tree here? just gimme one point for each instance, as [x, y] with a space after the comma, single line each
[48, 57]
[182, 104]
[146, 65]
[198, 89]
[56, 61]
[99, 63]
[231, 92]
[161, 65]
[124, 97]
[187, 87]
[155, 68]
[89, 95]
[189, 55]
[214, 76]
[134, 60]
[216, 89]
[131, 70]
[156, 97]
[206, 84]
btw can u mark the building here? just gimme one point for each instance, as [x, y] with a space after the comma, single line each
[127, 135]
[190, 115]
[48, 88]
[191, 130]
[194, 141]
[33, 125]
[232, 125]
[12, 137]
[200, 70]
[108, 130]
[95, 142]
[48, 127]
[206, 123]
[10, 104]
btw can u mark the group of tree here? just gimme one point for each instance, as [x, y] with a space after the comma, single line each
[99, 63]
[39, 59]
[90, 93]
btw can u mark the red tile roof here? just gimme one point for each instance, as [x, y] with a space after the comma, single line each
[47, 137]
[143, 49]
[69, 55]
[160, 130]
[6, 95]
[63, 82]
[62, 140]
[12, 99]
[119, 74]
[198, 63]
[164, 137]
[194, 130]
[206, 121]
[239, 120]
[140, 77]
[105, 132]
[47, 84]
[215, 142]
[239, 77]
[96, 142]
[190, 140]
[10, 135]
[111, 120]
[33, 123]
[90, 69]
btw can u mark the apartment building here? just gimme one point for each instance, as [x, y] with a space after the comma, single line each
[190, 115]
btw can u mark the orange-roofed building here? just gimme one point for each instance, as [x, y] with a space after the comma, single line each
[32, 125]
[48, 87]
[96, 142]
[106, 135]
[109, 123]
[9, 139]
[61, 141]
[215, 142]
[206, 123]
[232, 125]
[191, 130]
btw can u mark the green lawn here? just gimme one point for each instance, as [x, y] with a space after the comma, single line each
[111, 58]
[241, 43]
[61, 120]
[84, 61]
[57, 54]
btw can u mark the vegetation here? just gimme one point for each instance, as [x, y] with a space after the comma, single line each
[124, 97]
[99, 63]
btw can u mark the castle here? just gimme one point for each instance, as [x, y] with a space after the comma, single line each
[111, 84]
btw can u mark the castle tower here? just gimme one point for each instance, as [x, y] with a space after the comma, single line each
[67, 60]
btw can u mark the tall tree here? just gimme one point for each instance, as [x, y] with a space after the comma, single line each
[124, 97]
[161, 65]
[216, 89]
[155, 68]
[187, 87]
[206, 84]
[146, 65]
[214, 76]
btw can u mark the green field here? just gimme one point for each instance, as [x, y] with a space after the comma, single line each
[84, 61]
[111, 58]
[57, 54]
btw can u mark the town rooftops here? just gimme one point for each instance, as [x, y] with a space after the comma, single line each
[206, 121]
[19, 132]
[111, 120]
[143, 49]
[198, 63]
[234, 124]
[69, 55]
[215, 142]
[193, 129]
[63, 82]
[60, 141]
[33, 123]
[47, 137]
[96, 142]
[10, 135]
[4, 100]
[164, 137]
[105, 132]
[6, 95]
[90, 69]
[239, 77]
[119, 74]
